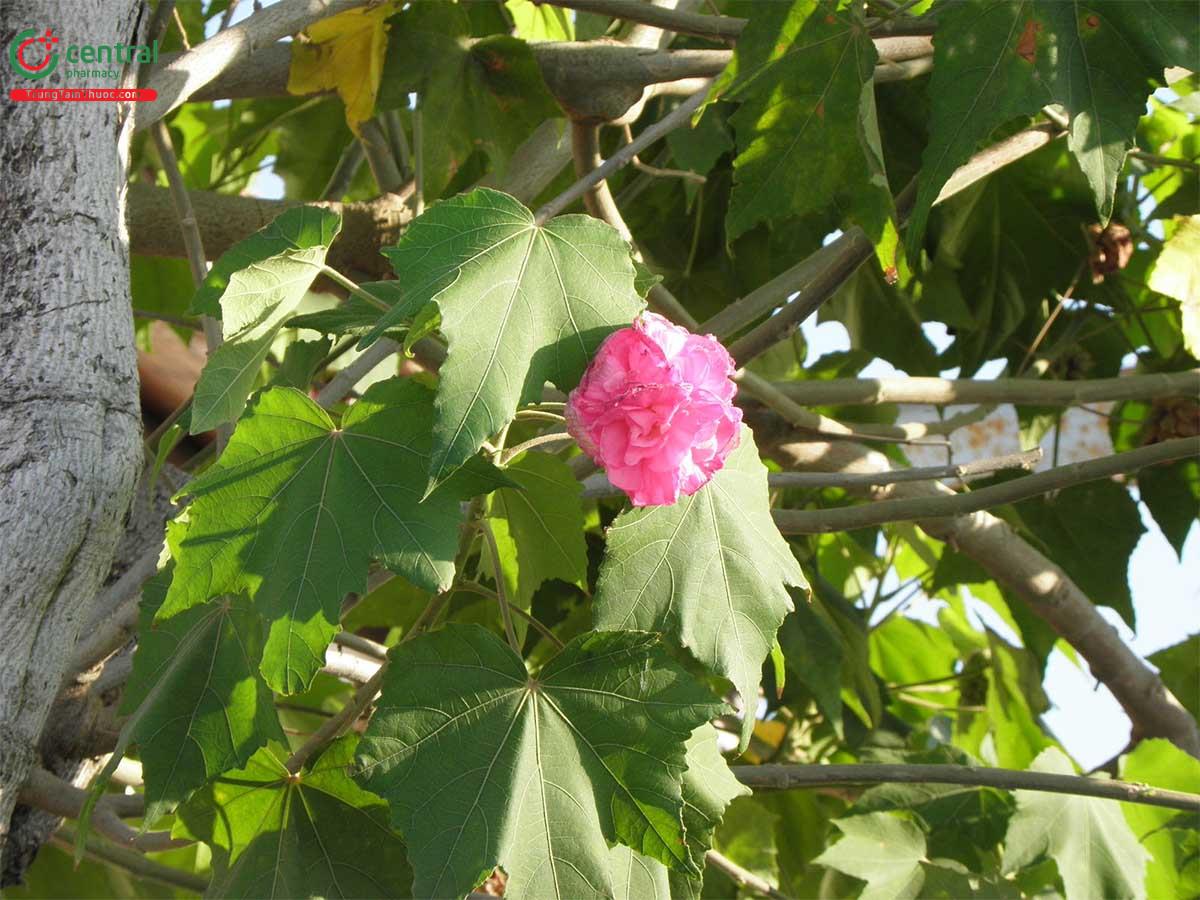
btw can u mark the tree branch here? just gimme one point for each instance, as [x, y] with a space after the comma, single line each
[47, 791]
[184, 75]
[599, 485]
[723, 28]
[942, 391]
[131, 861]
[743, 877]
[674, 119]
[847, 518]
[1028, 574]
[224, 219]
[775, 777]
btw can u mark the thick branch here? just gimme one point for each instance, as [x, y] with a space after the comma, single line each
[595, 81]
[941, 391]
[847, 518]
[183, 76]
[1028, 574]
[224, 219]
[785, 777]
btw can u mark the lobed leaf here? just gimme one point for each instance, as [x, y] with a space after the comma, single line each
[253, 288]
[710, 571]
[296, 507]
[520, 304]
[315, 834]
[485, 765]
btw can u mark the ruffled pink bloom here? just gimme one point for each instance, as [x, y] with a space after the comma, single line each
[655, 410]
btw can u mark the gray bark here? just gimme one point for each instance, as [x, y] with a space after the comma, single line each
[70, 429]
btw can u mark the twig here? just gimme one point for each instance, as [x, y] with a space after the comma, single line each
[343, 173]
[655, 171]
[334, 725]
[130, 860]
[47, 791]
[180, 321]
[943, 391]
[350, 666]
[599, 486]
[374, 142]
[192, 242]
[418, 196]
[557, 437]
[675, 119]
[743, 877]
[227, 16]
[397, 139]
[724, 28]
[363, 645]
[176, 82]
[503, 602]
[846, 518]
[477, 588]
[1156, 159]
[774, 777]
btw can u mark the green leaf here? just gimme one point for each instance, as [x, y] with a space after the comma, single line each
[520, 305]
[538, 526]
[317, 834]
[747, 836]
[354, 315]
[1160, 763]
[296, 507]
[299, 364]
[1096, 852]
[484, 94]
[484, 765]
[198, 705]
[711, 571]
[883, 850]
[1179, 667]
[540, 22]
[1001, 249]
[253, 288]
[995, 60]
[1172, 494]
[814, 651]
[803, 72]
[1176, 273]
[158, 284]
[708, 789]
[1096, 557]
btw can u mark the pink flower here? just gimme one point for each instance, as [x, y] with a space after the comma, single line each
[655, 409]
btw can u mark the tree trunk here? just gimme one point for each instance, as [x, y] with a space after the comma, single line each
[70, 429]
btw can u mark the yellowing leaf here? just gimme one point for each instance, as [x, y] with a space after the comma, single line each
[344, 53]
[1177, 274]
